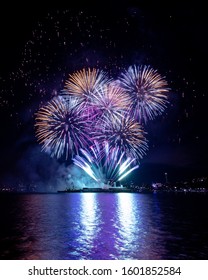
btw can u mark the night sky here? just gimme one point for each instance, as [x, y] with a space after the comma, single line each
[41, 46]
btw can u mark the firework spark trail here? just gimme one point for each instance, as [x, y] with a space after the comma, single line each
[147, 90]
[103, 166]
[61, 128]
[129, 171]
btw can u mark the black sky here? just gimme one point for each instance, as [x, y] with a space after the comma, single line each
[171, 38]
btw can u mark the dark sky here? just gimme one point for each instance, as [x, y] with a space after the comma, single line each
[41, 46]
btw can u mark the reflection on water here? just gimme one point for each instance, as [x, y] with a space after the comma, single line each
[127, 224]
[103, 226]
[136, 228]
[89, 216]
[89, 219]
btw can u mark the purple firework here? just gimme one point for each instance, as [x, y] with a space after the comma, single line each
[147, 90]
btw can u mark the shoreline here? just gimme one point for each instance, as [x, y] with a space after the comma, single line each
[99, 190]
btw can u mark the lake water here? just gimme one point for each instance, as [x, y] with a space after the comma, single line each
[104, 226]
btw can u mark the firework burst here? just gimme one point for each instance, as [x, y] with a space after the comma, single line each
[104, 164]
[125, 133]
[61, 128]
[111, 101]
[83, 84]
[97, 121]
[147, 90]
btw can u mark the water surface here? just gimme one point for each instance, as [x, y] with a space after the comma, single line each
[104, 226]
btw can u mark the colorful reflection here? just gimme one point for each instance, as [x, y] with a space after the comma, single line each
[88, 224]
[127, 224]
